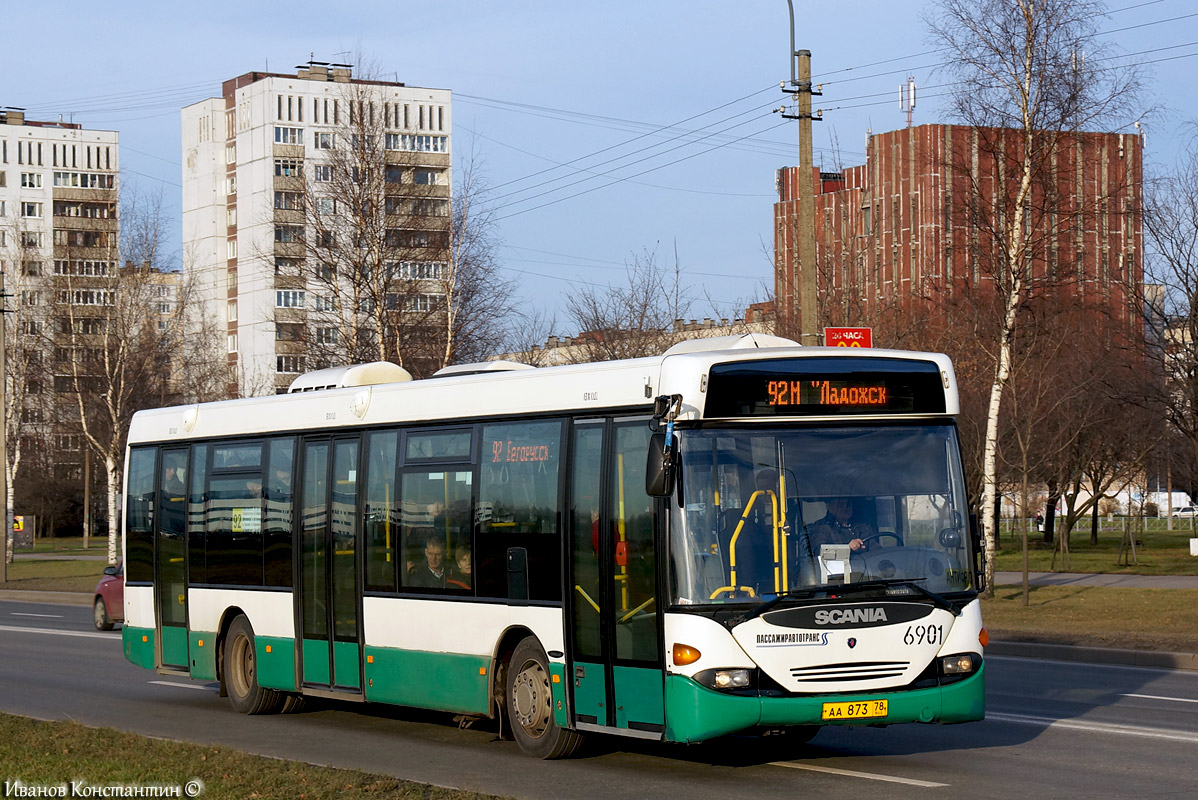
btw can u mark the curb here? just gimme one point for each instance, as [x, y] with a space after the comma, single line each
[1095, 655]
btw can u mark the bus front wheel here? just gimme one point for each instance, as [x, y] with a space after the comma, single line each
[241, 674]
[530, 705]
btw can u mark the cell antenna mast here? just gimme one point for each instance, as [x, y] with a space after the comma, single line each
[907, 100]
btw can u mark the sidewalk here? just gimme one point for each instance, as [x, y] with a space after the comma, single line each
[1098, 579]
[58, 598]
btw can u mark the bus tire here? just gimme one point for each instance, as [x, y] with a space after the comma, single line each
[529, 704]
[292, 704]
[241, 672]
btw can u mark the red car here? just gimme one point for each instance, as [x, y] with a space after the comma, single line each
[109, 606]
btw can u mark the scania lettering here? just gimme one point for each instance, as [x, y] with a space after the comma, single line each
[740, 535]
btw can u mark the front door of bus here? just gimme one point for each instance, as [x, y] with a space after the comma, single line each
[616, 663]
[330, 652]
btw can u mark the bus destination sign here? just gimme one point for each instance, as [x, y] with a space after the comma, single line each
[821, 387]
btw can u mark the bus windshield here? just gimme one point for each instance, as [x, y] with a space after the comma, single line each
[769, 511]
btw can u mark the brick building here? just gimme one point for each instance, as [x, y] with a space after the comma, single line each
[906, 229]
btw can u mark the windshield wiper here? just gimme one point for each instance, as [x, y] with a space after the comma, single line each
[773, 602]
[911, 583]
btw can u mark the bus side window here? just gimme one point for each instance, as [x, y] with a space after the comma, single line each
[139, 541]
[519, 509]
[381, 512]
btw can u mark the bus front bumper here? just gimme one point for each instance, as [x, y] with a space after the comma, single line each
[695, 713]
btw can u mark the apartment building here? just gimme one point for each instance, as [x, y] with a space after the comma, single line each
[59, 235]
[266, 173]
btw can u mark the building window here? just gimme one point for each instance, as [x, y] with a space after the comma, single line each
[86, 297]
[84, 180]
[420, 270]
[232, 343]
[33, 210]
[32, 269]
[324, 141]
[31, 238]
[231, 216]
[417, 143]
[231, 248]
[289, 298]
[324, 303]
[289, 233]
[289, 135]
[82, 268]
[289, 167]
[430, 208]
[31, 299]
[31, 180]
[231, 153]
[393, 174]
[232, 311]
[326, 335]
[428, 177]
[289, 364]
[326, 205]
[231, 184]
[287, 267]
[164, 308]
[289, 332]
[322, 173]
[288, 201]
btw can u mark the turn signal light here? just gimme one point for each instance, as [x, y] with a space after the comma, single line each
[685, 654]
[983, 637]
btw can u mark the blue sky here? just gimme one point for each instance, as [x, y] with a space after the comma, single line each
[541, 84]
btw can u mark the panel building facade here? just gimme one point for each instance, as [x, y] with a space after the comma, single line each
[916, 224]
[263, 165]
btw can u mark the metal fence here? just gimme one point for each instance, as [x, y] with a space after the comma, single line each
[1011, 526]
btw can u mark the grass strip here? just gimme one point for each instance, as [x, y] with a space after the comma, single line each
[54, 575]
[53, 753]
[1097, 616]
[1157, 553]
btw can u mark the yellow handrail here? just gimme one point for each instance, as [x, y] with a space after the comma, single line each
[582, 592]
[631, 613]
[736, 535]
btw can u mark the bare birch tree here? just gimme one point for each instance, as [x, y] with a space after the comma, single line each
[1026, 75]
[1171, 223]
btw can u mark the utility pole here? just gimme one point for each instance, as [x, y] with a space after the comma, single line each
[804, 268]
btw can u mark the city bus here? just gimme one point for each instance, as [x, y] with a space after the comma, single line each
[647, 548]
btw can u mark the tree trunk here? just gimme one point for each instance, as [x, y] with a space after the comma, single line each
[1050, 513]
[1094, 525]
[114, 488]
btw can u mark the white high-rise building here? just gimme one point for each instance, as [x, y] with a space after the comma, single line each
[59, 250]
[246, 157]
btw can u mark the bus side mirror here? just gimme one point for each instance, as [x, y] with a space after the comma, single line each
[659, 471]
[979, 554]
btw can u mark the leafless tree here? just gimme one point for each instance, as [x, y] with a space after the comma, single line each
[1027, 74]
[631, 320]
[1171, 223]
[117, 332]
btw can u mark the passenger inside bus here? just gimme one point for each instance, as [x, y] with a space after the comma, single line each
[430, 574]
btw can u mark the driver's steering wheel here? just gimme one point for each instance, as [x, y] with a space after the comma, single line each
[865, 542]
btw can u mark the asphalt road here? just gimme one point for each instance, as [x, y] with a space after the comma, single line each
[1053, 729]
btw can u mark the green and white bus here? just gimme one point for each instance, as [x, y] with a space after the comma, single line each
[644, 548]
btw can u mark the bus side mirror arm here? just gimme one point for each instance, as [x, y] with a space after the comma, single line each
[979, 554]
[659, 468]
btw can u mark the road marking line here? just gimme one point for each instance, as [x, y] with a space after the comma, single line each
[1095, 727]
[183, 685]
[84, 634]
[1158, 697]
[873, 776]
[24, 614]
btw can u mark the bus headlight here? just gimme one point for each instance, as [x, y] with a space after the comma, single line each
[731, 678]
[957, 665]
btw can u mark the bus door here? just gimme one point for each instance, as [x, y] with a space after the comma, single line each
[170, 559]
[330, 651]
[616, 666]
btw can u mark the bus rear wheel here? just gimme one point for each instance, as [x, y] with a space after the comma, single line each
[530, 705]
[241, 674]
